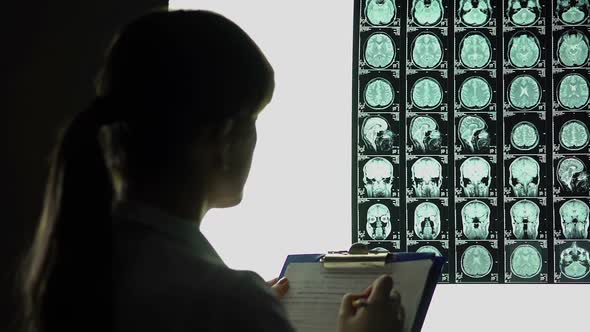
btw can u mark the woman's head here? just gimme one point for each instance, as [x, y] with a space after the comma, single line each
[175, 112]
[189, 85]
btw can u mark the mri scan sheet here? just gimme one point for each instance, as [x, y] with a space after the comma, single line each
[471, 135]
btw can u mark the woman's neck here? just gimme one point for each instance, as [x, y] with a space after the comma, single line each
[183, 201]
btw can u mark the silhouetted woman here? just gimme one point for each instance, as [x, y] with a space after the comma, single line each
[169, 136]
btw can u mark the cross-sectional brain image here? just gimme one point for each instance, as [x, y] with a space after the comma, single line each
[377, 135]
[475, 218]
[475, 177]
[475, 13]
[379, 93]
[574, 135]
[476, 261]
[475, 93]
[379, 249]
[427, 93]
[427, 50]
[524, 92]
[380, 12]
[572, 92]
[427, 221]
[424, 134]
[526, 261]
[378, 222]
[524, 217]
[573, 176]
[572, 11]
[574, 262]
[523, 12]
[430, 250]
[380, 50]
[427, 177]
[572, 48]
[575, 218]
[525, 176]
[473, 133]
[524, 136]
[378, 177]
[427, 12]
[475, 50]
[524, 50]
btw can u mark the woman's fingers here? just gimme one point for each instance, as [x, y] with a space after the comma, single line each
[396, 297]
[381, 289]
[280, 287]
[272, 282]
[347, 307]
[400, 314]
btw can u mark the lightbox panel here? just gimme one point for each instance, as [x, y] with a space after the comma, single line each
[471, 135]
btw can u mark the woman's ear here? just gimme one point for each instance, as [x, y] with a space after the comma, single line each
[224, 140]
[226, 128]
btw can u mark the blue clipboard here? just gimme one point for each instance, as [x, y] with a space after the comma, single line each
[432, 280]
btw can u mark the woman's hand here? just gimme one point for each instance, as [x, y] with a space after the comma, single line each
[373, 310]
[280, 287]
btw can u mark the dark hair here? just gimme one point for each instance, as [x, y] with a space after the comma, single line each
[166, 75]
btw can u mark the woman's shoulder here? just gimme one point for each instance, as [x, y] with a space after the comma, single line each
[216, 298]
[250, 304]
[238, 286]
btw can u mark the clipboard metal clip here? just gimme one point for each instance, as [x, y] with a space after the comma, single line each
[358, 256]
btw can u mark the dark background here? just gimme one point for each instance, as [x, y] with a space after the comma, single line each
[50, 52]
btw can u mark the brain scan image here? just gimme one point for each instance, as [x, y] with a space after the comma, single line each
[475, 13]
[524, 92]
[424, 134]
[427, 12]
[475, 217]
[377, 135]
[572, 11]
[523, 12]
[524, 217]
[574, 135]
[380, 12]
[473, 133]
[429, 250]
[475, 177]
[475, 50]
[379, 93]
[380, 50]
[427, 221]
[427, 177]
[573, 91]
[524, 50]
[573, 176]
[378, 177]
[475, 93]
[476, 261]
[525, 177]
[379, 249]
[427, 50]
[524, 136]
[575, 218]
[378, 222]
[526, 261]
[574, 262]
[427, 93]
[572, 48]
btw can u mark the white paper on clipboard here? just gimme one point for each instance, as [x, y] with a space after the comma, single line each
[315, 292]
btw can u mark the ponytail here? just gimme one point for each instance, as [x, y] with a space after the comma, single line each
[69, 258]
